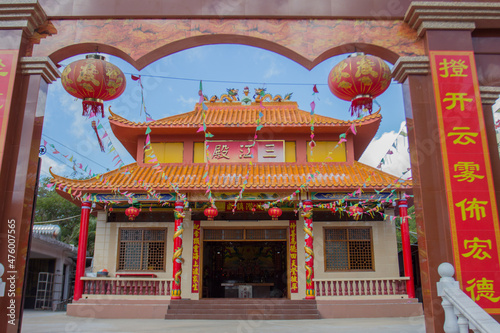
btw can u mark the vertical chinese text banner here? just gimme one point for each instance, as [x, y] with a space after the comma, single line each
[294, 285]
[468, 176]
[195, 285]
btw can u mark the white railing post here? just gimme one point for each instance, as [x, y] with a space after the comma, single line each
[446, 271]
[460, 311]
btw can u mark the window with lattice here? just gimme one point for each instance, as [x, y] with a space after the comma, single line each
[348, 249]
[142, 249]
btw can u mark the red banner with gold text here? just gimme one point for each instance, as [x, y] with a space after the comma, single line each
[468, 175]
[195, 284]
[294, 282]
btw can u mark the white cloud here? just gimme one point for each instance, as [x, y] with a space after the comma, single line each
[272, 71]
[396, 163]
[57, 167]
[188, 102]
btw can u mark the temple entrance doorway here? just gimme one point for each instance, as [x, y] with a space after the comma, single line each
[245, 263]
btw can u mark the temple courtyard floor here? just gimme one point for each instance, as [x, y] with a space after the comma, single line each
[54, 322]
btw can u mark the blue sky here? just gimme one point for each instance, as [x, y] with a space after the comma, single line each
[171, 87]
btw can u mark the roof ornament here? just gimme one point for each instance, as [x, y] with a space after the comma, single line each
[260, 96]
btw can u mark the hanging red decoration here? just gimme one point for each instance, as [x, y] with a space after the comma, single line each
[356, 211]
[359, 79]
[210, 213]
[93, 80]
[94, 126]
[275, 212]
[132, 212]
[333, 207]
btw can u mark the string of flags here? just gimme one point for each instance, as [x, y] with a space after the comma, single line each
[341, 206]
[143, 104]
[252, 146]
[203, 128]
[394, 148]
[312, 143]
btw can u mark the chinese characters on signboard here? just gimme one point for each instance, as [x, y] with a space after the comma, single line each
[195, 285]
[468, 176]
[294, 283]
[245, 151]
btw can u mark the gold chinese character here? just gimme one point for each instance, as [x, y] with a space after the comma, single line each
[456, 97]
[475, 208]
[270, 151]
[467, 170]
[484, 288]
[2, 65]
[464, 138]
[221, 151]
[248, 153]
[476, 247]
[457, 68]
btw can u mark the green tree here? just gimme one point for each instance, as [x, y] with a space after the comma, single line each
[50, 206]
[412, 226]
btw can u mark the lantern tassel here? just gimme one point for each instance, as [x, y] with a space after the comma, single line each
[94, 126]
[360, 104]
[92, 108]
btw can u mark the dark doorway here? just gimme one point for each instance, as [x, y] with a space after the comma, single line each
[251, 269]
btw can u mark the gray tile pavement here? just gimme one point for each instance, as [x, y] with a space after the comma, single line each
[58, 322]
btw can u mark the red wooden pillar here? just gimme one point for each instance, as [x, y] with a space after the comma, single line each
[82, 250]
[406, 244]
[177, 257]
[309, 239]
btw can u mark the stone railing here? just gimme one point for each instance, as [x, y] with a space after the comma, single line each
[126, 286]
[361, 287]
[461, 313]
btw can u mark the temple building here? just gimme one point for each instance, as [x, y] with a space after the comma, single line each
[232, 207]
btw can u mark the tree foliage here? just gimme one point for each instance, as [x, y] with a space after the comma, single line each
[412, 224]
[50, 206]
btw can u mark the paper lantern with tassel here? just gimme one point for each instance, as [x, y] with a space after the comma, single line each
[93, 80]
[359, 79]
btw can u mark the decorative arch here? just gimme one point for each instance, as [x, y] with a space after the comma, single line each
[307, 42]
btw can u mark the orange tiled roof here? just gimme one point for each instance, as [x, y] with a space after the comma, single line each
[234, 114]
[262, 176]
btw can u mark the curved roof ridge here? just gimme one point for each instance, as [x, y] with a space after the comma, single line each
[352, 175]
[193, 118]
[83, 181]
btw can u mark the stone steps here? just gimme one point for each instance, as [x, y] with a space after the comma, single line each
[242, 309]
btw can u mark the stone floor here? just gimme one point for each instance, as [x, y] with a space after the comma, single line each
[56, 322]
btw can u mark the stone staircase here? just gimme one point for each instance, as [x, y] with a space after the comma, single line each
[243, 309]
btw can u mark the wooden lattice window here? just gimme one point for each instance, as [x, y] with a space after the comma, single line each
[348, 249]
[142, 249]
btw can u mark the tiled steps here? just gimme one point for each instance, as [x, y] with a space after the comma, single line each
[242, 309]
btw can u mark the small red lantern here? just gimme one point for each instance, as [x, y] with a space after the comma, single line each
[359, 79]
[275, 212]
[211, 212]
[93, 80]
[132, 212]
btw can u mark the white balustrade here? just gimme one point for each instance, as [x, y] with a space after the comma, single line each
[461, 313]
[361, 287]
[126, 286]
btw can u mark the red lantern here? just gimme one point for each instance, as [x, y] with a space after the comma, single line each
[359, 79]
[93, 80]
[275, 212]
[132, 212]
[211, 212]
